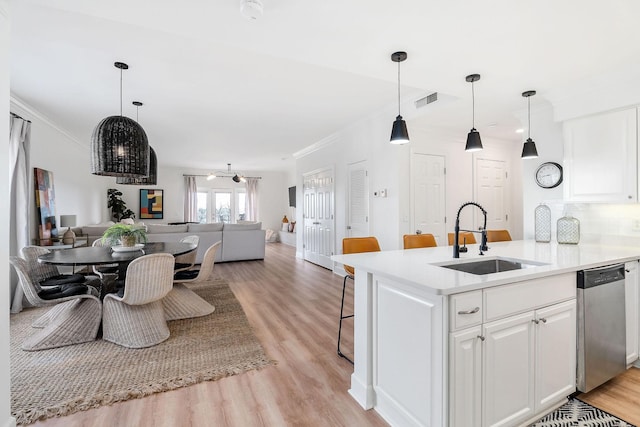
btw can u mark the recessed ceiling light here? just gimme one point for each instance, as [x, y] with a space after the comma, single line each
[519, 130]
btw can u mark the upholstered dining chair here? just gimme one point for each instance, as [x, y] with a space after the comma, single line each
[352, 245]
[46, 274]
[136, 318]
[74, 317]
[463, 238]
[412, 241]
[187, 261]
[498, 236]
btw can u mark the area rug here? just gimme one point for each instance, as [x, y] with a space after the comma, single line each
[576, 413]
[65, 380]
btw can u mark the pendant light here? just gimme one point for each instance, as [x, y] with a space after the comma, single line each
[529, 150]
[473, 138]
[399, 133]
[119, 145]
[152, 178]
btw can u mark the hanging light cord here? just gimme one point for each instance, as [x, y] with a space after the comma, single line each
[473, 107]
[137, 121]
[529, 115]
[398, 88]
[120, 92]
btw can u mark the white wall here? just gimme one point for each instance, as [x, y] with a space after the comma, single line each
[6, 419]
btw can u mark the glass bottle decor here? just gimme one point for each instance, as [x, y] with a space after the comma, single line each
[568, 230]
[543, 223]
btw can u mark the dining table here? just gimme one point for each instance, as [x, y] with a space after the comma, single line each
[104, 255]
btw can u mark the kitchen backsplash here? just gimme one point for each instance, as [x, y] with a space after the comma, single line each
[600, 222]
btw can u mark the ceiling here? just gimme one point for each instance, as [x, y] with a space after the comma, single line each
[218, 88]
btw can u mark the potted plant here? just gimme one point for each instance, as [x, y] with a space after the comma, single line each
[124, 234]
[118, 207]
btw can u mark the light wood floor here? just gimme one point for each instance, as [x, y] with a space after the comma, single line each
[293, 306]
[619, 396]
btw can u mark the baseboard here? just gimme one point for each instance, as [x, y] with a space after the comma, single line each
[543, 413]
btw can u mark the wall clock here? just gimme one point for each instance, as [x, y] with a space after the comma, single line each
[549, 175]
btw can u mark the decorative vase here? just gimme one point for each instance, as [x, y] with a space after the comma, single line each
[568, 230]
[543, 223]
[128, 241]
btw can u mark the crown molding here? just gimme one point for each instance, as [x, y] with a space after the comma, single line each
[323, 143]
[34, 113]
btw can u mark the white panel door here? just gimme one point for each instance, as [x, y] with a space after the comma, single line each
[555, 353]
[491, 193]
[318, 214]
[428, 195]
[358, 200]
[508, 371]
[465, 377]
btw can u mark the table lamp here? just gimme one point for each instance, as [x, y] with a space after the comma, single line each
[69, 221]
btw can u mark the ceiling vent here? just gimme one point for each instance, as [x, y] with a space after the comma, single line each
[427, 100]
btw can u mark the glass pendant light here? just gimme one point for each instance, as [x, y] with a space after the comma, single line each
[152, 178]
[529, 150]
[399, 133]
[119, 145]
[474, 143]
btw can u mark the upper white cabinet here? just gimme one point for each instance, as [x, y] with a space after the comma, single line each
[601, 158]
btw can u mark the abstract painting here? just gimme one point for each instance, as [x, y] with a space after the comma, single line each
[151, 204]
[45, 206]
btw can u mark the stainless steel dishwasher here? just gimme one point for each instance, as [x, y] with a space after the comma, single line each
[602, 339]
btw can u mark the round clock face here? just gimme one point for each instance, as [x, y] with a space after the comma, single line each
[549, 175]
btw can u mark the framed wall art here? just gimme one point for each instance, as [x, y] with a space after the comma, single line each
[45, 206]
[151, 203]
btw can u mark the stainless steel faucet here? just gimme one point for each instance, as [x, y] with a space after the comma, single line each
[483, 231]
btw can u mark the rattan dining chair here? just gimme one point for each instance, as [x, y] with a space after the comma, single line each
[74, 317]
[187, 261]
[137, 319]
[46, 274]
[102, 270]
[498, 236]
[352, 245]
[413, 241]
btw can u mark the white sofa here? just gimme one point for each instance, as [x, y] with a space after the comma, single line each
[239, 241]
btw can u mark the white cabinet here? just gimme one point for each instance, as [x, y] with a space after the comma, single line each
[510, 369]
[631, 310]
[601, 158]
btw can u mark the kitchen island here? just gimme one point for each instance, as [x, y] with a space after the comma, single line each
[435, 346]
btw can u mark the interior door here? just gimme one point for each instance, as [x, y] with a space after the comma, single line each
[358, 203]
[428, 195]
[491, 193]
[318, 215]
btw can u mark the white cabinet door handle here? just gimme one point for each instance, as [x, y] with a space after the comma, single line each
[475, 310]
[481, 337]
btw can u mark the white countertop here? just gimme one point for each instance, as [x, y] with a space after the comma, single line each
[416, 266]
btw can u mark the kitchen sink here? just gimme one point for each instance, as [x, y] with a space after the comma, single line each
[491, 265]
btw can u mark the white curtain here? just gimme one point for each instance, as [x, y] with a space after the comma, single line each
[19, 236]
[252, 199]
[190, 199]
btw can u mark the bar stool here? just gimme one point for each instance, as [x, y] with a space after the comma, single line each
[412, 241]
[498, 236]
[352, 245]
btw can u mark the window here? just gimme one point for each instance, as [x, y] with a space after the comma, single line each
[222, 205]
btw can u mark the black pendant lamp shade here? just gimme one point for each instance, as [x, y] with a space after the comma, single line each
[152, 178]
[119, 145]
[529, 150]
[474, 143]
[399, 133]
